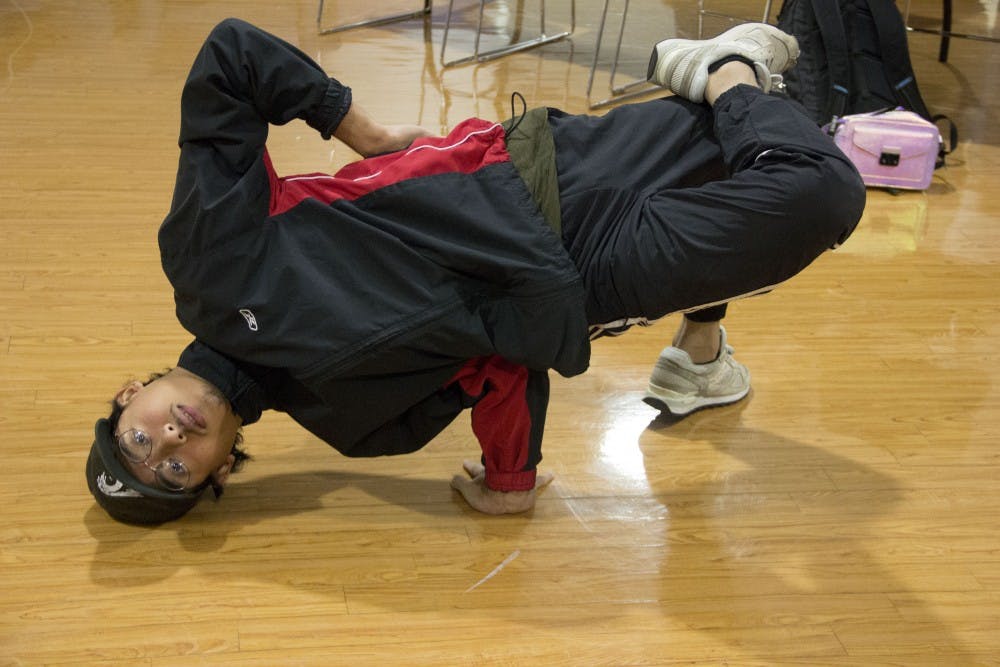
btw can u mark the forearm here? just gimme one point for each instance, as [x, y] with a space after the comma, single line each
[367, 137]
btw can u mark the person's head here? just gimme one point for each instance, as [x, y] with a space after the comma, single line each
[165, 441]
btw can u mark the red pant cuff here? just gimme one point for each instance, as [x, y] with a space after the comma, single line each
[511, 481]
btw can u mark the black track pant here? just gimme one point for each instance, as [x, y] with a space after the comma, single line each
[671, 206]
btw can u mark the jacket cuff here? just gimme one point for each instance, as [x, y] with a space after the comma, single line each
[511, 481]
[326, 116]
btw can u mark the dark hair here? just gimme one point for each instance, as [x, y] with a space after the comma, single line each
[241, 456]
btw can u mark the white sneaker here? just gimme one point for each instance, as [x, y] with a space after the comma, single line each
[681, 386]
[682, 64]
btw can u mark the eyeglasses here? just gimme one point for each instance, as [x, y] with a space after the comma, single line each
[137, 446]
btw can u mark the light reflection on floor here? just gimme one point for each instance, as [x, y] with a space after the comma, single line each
[618, 454]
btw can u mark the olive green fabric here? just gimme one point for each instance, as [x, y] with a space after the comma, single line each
[534, 156]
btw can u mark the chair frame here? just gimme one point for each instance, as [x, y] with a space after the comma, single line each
[945, 31]
[477, 55]
[629, 90]
[368, 22]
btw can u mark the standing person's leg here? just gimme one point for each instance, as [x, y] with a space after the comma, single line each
[699, 332]
[657, 248]
[697, 370]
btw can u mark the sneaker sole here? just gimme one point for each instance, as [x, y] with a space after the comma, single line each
[681, 404]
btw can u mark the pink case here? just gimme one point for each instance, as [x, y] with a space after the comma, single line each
[891, 149]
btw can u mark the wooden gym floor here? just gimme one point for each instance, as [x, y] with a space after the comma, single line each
[847, 513]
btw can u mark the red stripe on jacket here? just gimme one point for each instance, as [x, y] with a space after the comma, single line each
[473, 144]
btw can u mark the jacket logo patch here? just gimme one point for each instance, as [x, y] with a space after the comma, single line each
[250, 318]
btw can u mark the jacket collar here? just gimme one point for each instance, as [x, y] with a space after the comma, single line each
[245, 395]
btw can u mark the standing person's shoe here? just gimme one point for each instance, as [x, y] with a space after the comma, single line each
[681, 386]
[682, 64]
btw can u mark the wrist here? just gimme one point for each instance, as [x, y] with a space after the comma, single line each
[360, 131]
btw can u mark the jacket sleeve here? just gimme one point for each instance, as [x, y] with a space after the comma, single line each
[242, 80]
[509, 403]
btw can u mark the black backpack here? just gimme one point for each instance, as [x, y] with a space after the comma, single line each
[854, 59]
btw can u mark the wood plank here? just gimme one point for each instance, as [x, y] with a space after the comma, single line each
[845, 514]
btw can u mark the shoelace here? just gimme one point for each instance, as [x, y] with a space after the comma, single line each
[767, 80]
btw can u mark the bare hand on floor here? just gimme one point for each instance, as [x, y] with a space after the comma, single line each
[473, 488]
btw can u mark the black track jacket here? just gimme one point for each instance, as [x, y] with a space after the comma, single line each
[355, 299]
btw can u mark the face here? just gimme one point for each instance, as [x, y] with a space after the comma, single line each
[187, 420]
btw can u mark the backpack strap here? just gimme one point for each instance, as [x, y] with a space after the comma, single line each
[893, 43]
[952, 139]
[831, 26]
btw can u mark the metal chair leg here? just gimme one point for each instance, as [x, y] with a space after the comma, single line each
[702, 13]
[483, 56]
[945, 32]
[622, 92]
[369, 22]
